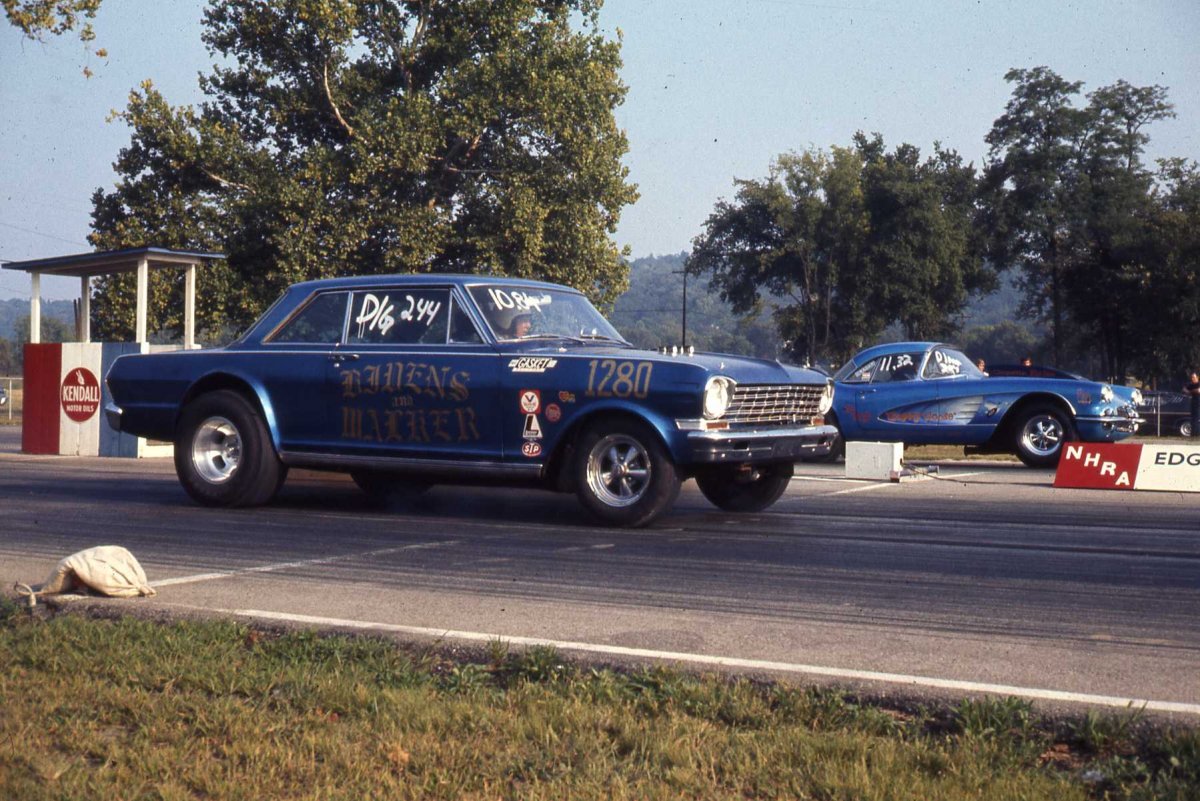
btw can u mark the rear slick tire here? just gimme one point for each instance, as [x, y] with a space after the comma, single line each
[223, 452]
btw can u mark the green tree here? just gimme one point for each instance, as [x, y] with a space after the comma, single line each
[376, 136]
[36, 18]
[1028, 189]
[847, 243]
[1067, 200]
[1166, 304]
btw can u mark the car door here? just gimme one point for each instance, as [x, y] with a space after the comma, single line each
[292, 365]
[413, 378]
[897, 404]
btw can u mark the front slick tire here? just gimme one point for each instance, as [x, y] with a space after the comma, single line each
[623, 474]
[223, 452]
[745, 488]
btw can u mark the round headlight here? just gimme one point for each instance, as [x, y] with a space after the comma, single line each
[826, 399]
[1106, 393]
[717, 393]
[1136, 398]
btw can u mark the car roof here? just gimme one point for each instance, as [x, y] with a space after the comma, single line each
[893, 347]
[417, 279]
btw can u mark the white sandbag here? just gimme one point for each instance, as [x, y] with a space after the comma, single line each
[106, 569]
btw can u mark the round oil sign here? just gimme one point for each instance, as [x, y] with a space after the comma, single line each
[80, 394]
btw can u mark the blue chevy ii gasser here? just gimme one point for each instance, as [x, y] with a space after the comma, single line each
[405, 381]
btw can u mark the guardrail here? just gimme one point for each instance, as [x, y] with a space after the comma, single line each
[13, 386]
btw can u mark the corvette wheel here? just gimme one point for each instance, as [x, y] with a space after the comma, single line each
[746, 488]
[223, 452]
[1185, 428]
[1039, 435]
[623, 475]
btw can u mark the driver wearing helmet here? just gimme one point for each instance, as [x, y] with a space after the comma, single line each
[520, 325]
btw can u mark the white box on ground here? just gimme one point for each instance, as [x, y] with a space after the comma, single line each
[876, 461]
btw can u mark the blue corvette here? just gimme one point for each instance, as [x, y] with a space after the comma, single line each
[405, 381]
[928, 393]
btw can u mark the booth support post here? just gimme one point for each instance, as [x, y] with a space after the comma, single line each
[189, 307]
[35, 308]
[143, 290]
[85, 309]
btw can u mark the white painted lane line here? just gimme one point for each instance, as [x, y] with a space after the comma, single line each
[727, 661]
[170, 582]
[882, 485]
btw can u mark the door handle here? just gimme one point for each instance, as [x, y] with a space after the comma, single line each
[343, 357]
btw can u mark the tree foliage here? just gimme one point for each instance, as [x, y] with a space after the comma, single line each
[37, 18]
[378, 136]
[849, 242]
[1069, 202]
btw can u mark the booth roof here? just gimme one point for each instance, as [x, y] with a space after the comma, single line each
[111, 261]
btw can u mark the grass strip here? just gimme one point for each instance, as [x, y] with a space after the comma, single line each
[132, 709]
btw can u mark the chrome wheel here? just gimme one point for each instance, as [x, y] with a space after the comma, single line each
[1185, 428]
[216, 450]
[618, 470]
[1042, 435]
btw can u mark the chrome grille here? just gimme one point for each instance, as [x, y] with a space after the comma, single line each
[774, 404]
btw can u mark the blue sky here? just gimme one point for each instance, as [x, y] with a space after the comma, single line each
[716, 91]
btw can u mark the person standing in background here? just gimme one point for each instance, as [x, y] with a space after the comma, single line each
[1192, 389]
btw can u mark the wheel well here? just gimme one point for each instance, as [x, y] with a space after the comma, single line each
[560, 478]
[216, 382]
[1004, 431]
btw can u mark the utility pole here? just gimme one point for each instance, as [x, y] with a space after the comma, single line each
[683, 330]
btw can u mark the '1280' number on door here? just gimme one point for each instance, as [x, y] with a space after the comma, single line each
[609, 378]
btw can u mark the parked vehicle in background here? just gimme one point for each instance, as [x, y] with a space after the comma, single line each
[1030, 371]
[929, 393]
[404, 381]
[3, 397]
[1167, 413]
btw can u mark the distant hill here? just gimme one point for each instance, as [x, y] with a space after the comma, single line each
[650, 314]
[14, 309]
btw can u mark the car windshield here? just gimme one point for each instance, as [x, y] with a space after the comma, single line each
[520, 312]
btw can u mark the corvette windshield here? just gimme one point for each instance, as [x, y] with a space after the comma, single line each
[520, 312]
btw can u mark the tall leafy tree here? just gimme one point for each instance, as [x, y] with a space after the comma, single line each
[1167, 302]
[374, 136]
[849, 242]
[1067, 198]
[1028, 188]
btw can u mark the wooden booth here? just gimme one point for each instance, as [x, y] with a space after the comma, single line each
[64, 382]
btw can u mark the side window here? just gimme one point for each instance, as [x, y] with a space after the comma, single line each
[897, 367]
[320, 321]
[863, 374]
[462, 330]
[942, 364]
[398, 316]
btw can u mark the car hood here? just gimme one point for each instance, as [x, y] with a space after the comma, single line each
[742, 369]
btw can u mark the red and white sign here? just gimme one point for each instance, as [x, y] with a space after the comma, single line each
[553, 413]
[80, 394]
[531, 401]
[531, 449]
[1106, 465]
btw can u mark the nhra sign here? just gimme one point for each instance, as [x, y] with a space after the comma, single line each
[1106, 465]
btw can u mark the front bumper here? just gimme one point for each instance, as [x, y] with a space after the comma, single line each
[1123, 422]
[760, 445]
